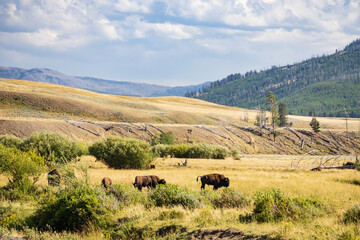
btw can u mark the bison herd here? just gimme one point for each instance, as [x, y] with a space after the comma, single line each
[216, 180]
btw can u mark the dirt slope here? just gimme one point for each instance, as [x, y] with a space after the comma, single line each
[244, 139]
[28, 107]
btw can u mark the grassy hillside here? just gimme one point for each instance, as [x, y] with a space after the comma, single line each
[297, 85]
[27, 107]
[40, 100]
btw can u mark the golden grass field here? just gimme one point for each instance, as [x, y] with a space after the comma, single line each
[249, 175]
[334, 188]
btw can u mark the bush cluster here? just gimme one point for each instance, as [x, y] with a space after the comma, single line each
[274, 206]
[171, 195]
[75, 209]
[201, 150]
[166, 138]
[225, 198]
[10, 141]
[126, 195]
[54, 147]
[352, 215]
[161, 150]
[23, 170]
[124, 153]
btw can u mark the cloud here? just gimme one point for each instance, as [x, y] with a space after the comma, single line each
[149, 34]
[134, 6]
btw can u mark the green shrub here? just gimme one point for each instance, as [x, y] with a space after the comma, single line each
[274, 206]
[126, 195]
[119, 152]
[23, 170]
[171, 214]
[357, 166]
[352, 215]
[225, 198]
[219, 152]
[55, 148]
[200, 151]
[171, 195]
[75, 209]
[10, 141]
[166, 138]
[235, 154]
[180, 151]
[161, 150]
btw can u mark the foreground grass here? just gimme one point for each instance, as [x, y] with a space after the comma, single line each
[337, 189]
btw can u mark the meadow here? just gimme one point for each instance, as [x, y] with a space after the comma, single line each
[338, 190]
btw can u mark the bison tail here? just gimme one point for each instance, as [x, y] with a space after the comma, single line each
[197, 178]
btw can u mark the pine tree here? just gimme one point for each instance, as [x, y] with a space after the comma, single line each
[282, 115]
[271, 101]
[315, 125]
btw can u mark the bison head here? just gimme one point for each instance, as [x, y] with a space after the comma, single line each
[135, 184]
[225, 182]
[162, 181]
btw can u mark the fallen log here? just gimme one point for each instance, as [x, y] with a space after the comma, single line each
[294, 132]
[239, 136]
[83, 128]
[107, 128]
[249, 129]
[340, 167]
[212, 131]
[156, 128]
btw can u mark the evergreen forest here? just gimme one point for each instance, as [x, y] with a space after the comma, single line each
[322, 86]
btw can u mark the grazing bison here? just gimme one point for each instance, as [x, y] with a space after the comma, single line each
[217, 180]
[349, 164]
[152, 166]
[106, 182]
[54, 178]
[317, 169]
[147, 181]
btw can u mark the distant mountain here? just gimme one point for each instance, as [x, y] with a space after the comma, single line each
[323, 86]
[95, 84]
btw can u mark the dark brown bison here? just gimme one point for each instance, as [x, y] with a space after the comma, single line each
[147, 181]
[152, 166]
[349, 164]
[317, 169]
[54, 178]
[217, 180]
[106, 182]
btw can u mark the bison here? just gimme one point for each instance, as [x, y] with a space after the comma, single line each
[54, 178]
[152, 166]
[348, 164]
[106, 182]
[317, 169]
[217, 180]
[147, 181]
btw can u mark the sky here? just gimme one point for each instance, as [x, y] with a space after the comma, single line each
[171, 42]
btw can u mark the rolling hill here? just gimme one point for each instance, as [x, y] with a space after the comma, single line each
[322, 85]
[95, 84]
[27, 107]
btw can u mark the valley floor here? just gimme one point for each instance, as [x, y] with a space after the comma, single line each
[337, 189]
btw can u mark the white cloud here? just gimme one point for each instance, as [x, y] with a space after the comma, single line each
[223, 30]
[42, 38]
[139, 6]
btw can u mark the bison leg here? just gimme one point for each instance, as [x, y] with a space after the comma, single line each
[140, 188]
[202, 185]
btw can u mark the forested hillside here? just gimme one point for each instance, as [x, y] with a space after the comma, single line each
[321, 85]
